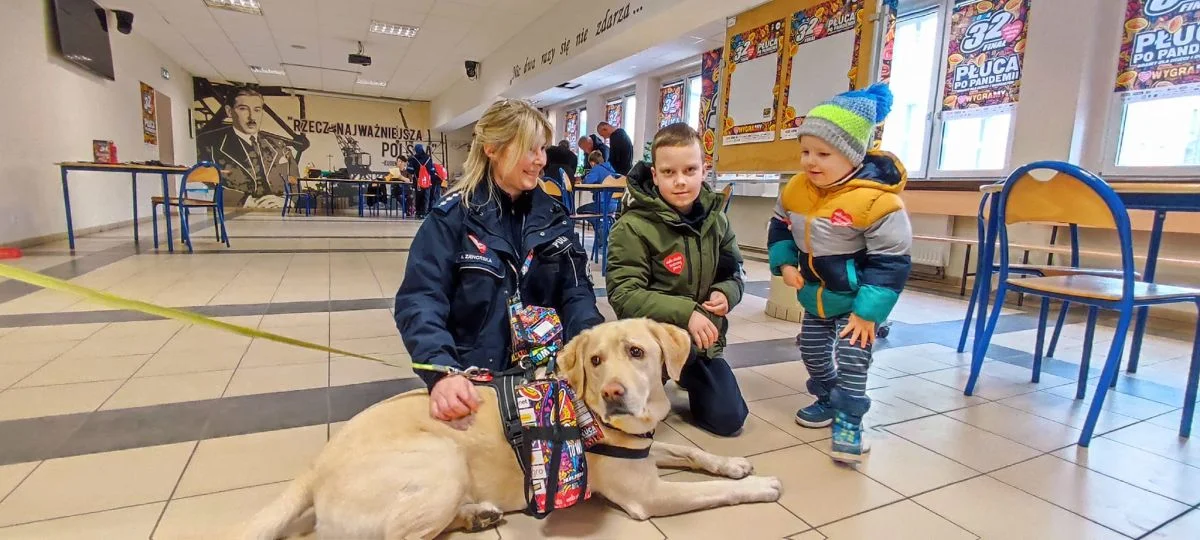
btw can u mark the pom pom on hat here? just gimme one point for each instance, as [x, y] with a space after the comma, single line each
[847, 122]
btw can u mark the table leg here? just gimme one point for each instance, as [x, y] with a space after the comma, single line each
[166, 193]
[133, 184]
[67, 205]
[1143, 313]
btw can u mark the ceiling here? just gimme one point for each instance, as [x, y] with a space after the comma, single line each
[659, 59]
[310, 39]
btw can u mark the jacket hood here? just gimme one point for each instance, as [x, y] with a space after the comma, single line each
[419, 150]
[880, 170]
[645, 200]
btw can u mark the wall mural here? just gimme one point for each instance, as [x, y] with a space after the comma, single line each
[262, 135]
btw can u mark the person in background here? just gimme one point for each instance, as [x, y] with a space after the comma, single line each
[425, 197]
[673, 258]
[592, 143]
[598, 173]
[452, 307]
[560, 156]
[620, 154]
[841, 236]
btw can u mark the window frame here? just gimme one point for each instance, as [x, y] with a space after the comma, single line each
[933, 98]
[1114, 124]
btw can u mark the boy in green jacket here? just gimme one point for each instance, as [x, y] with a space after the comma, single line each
[673, 258]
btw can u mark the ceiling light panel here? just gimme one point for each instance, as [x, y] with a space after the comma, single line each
[393, 29]
[369, 82]
[244, 6]
[267, 71]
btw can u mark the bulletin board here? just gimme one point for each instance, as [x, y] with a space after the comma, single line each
[780, 155]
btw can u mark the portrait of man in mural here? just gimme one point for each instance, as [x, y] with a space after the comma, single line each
[258, 163]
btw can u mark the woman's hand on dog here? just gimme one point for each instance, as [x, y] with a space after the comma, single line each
[453, 398]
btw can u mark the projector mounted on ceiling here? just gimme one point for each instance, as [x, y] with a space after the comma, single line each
[360, 58]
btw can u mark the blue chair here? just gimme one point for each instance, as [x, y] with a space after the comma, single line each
[201, 186]
[1072, 195]
[295, 197]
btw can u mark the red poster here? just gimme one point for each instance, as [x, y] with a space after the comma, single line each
[614, 112]
[671, 104]
[1160, 45]
[986, 52]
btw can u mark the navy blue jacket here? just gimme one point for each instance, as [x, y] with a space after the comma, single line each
[416, 161]
[452, 308]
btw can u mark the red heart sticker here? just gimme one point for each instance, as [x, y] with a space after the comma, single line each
[841, 218]
[478, 245]
[674, 263]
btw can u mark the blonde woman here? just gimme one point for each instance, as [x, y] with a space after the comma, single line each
[469, 257]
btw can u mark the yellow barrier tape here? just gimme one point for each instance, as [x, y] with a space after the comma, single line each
[128, 304]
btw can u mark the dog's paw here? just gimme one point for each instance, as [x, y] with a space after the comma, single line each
[762, 488]
[482, 516]
[736, 468]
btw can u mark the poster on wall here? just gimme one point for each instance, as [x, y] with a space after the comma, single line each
[820, 52]
[670, 99]
[149, 116]
[751, 97]
[263, 135]
[1160, 48]
[571, 128]
[985, 55]
[710, 88]
[614, 112]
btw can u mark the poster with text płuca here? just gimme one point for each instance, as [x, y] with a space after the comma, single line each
[752, 89]
[821, 53]
[985, 55]
[1160, 45]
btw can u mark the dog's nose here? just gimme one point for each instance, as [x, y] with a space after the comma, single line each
[612, 391]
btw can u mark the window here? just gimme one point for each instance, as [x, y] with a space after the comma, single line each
[630, 113]
[957, 141]
[693, 102]
[1156, 133]
[914, 70]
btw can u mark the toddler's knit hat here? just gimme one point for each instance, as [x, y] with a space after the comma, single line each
[847, 122]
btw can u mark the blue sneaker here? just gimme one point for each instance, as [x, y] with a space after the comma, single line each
[817, 415]
[847, 439]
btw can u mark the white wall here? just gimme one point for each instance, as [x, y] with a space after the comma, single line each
[52, 111]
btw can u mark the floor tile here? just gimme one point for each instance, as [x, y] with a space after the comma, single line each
[990, 386]
[1153, 473]
[810, 535]
[39, 352]
[781, 413]
[992, 509]
[595, 519]
[1067, 411]
[913, 359]
[270, 353]
[53, 400]
[80, 370]
[348, 370]
[146, 391]
[791, 374]
[132, 522]
[370, 346]
[261, 380]
[755, 386]
[97, 482]
[11, 373]
[204, 337]
[757, 436]
[46, 334]
[248, 460]
[210, 516]
[770, 519]
[1123, 404]
[963, 443]
[1017, 425]
[927, 394]
[903, 466]
[900, 521]
[818, 490]
[194, 361]
[1184, 528]
[275, 322]
[98, 347]
[1109, 502]
[1159, 440]
[12, 475]
[893, 410]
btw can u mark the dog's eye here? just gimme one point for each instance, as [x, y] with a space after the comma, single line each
[636, 352]
[596, 360]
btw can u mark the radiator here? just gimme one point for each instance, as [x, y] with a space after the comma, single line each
[935, 254]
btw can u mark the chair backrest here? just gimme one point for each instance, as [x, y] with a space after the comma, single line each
[203, 181]
[551, 189]
[726, 197]
[1055, 192]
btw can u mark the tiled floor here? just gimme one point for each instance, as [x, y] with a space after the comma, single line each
[115, 425]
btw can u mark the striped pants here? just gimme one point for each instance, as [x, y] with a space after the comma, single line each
[837, 370]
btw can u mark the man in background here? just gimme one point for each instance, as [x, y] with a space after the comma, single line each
[593, 143]
[620, 155]
[560, 156]
[258, 163]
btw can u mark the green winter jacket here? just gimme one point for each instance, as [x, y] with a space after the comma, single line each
[662, 268]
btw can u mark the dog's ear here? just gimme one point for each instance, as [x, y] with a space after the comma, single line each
[569, 365]
[676, 346]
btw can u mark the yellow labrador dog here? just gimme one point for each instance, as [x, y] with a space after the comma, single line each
[395, 473]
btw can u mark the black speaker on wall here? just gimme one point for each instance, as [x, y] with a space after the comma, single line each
[124, 21]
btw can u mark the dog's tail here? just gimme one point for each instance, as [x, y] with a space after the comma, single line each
[270, 522]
